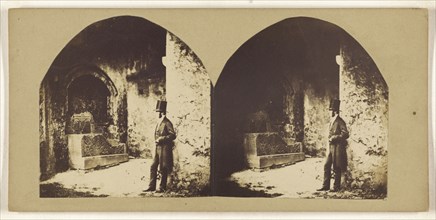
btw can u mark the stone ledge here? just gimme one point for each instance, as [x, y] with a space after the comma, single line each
[267, 143]
[265, 161]
[104, 160]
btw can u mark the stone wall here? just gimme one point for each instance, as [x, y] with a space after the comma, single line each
[364, 107]
[293, 108]
[189, 108]
[142, 120]
[46, 143]
[142, 117]
[142, 92]
[117, 129]
[316, 121]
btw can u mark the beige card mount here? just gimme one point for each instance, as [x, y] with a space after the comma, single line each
[218, 110]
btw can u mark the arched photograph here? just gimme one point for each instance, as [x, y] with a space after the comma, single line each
[125, 111]
[301, 111]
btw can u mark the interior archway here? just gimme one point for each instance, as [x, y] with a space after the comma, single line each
[304, 62]
[110, 76]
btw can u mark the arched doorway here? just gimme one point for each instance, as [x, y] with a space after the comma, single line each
[88, 93]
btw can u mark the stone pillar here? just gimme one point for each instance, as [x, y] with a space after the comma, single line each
[364, 107]
[188, 92]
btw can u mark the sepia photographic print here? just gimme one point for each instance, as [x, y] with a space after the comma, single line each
[218, 110]
[298, 106]
[125, 112]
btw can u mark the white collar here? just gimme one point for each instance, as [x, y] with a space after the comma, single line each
[160, 120]
[333, 119]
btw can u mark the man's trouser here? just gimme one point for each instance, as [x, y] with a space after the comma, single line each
[328, 174]
[158, 158]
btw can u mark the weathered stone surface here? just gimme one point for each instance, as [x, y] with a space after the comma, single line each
[142, 117]
[265, 143]
[82, 123]
[188, 92]
[82, 146]
[98, 145]
[75, 159]
[279, 159]
[266, 161]
[104, 160]
[258, 122]
[268, 149]
[364, 95]
[296, 147]
[316, 121]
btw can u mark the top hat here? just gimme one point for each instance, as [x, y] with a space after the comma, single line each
[161, 106]
[334, 105]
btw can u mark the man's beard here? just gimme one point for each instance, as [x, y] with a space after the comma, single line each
[333, 114]
[160, 114]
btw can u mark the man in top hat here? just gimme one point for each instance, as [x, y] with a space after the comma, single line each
[337, 155]
[164, 136]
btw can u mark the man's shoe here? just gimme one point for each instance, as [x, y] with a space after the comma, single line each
[161, 190]
[323, 189]
[150, 189]
[335, 190]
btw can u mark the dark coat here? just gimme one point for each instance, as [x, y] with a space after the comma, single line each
[338, 134]
[164, 136]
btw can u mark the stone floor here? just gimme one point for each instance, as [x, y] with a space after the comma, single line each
[127, 179]
[299, 180]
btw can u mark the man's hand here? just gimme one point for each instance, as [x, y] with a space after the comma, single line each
[159, 139]
[332, 138]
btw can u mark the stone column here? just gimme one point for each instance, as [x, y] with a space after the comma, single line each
[364, 107]
[188, 92]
